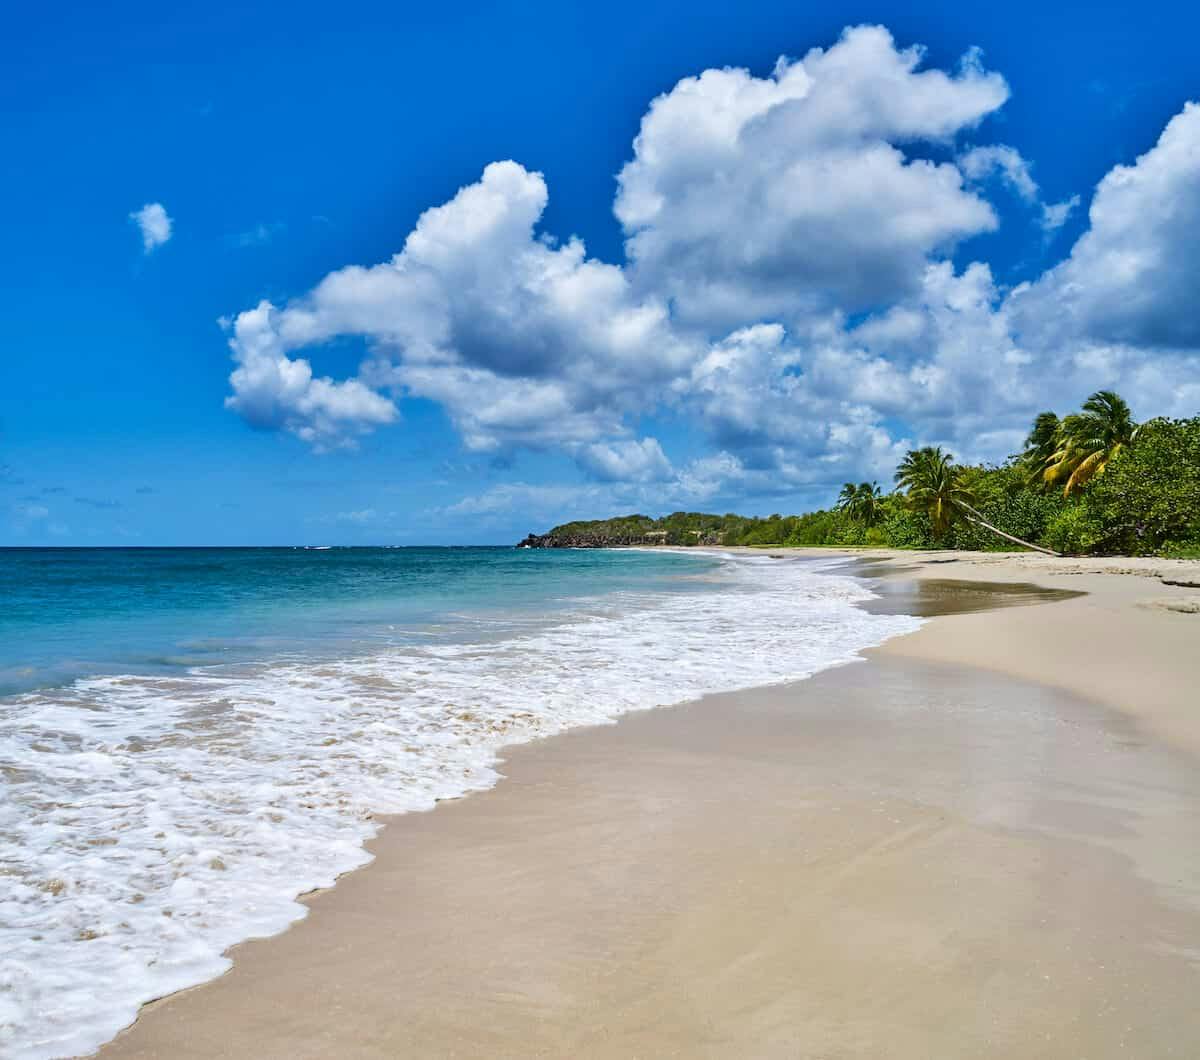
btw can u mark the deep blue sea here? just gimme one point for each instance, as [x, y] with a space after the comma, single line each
[190, 738]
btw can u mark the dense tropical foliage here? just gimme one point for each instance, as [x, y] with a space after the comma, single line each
[1093, 481]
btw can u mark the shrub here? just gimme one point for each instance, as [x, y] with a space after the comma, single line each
[1073, 530]
[1182, 550]
[905, 528]
[1148, 499]
[876, 535]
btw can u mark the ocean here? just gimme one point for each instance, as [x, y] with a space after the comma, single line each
[191, 738]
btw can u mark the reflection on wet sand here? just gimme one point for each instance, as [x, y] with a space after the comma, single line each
[933, 597]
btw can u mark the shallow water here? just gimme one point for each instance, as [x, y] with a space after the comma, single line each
[158, 808]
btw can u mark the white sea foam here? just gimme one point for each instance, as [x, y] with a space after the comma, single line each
[148, 823]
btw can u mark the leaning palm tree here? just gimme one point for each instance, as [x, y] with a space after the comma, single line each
[1088, 440]
[933, 485]
[1040, 446]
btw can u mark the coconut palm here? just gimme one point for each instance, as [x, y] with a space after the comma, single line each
[846, 498]
[863, 503]
[1088, 440]
[1040, 446]
[868, 503]
[933, 485]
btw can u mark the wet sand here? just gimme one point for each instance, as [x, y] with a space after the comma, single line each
[903, 857]
[936, 597]
[1128, 638]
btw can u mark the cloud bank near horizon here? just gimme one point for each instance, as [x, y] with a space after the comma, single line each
[788, 288]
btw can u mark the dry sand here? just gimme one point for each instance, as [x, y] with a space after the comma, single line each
[908, 857]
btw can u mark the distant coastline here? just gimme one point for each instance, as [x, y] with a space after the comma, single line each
[1094, 482]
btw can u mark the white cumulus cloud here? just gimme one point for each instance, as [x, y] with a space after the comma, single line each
[626, 461]
[981, 162]
[522, 340]
[154, 223]
[1132, 277]
[788, 288]
[764, 197]
[272, 390]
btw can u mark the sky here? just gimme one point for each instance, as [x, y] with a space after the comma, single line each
[409, 274]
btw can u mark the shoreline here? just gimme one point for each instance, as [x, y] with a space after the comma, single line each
[236, 789]
[1129, 644]
[1082, 645]
[230, 1013]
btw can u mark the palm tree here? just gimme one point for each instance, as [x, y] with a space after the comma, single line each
[935, 486]
[846, 498]
[1089, 439]
[863, 503]
[868, 503]
[1040, 446]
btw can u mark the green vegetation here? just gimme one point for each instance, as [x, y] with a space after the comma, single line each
[1084, 443]
[1148, 500]
[862, 503]
[934, 487]
[1092, 482]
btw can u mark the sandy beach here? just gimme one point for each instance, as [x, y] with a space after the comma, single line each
[980, 841]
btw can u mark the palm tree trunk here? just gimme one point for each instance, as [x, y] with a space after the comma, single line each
[975, 517]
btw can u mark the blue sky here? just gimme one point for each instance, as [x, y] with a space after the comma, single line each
[768, 303]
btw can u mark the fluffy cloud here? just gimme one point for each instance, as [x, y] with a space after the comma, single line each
[763, 197]
[524, 341]
[273, 391]
[1055, 214]
[788, 288]
[626, 461]
[154, 224]
[772, 399]
[1131, 278]
[980, 163]
[527, 341]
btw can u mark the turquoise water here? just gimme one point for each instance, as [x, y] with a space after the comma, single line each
[71, 613]
[190, 738]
